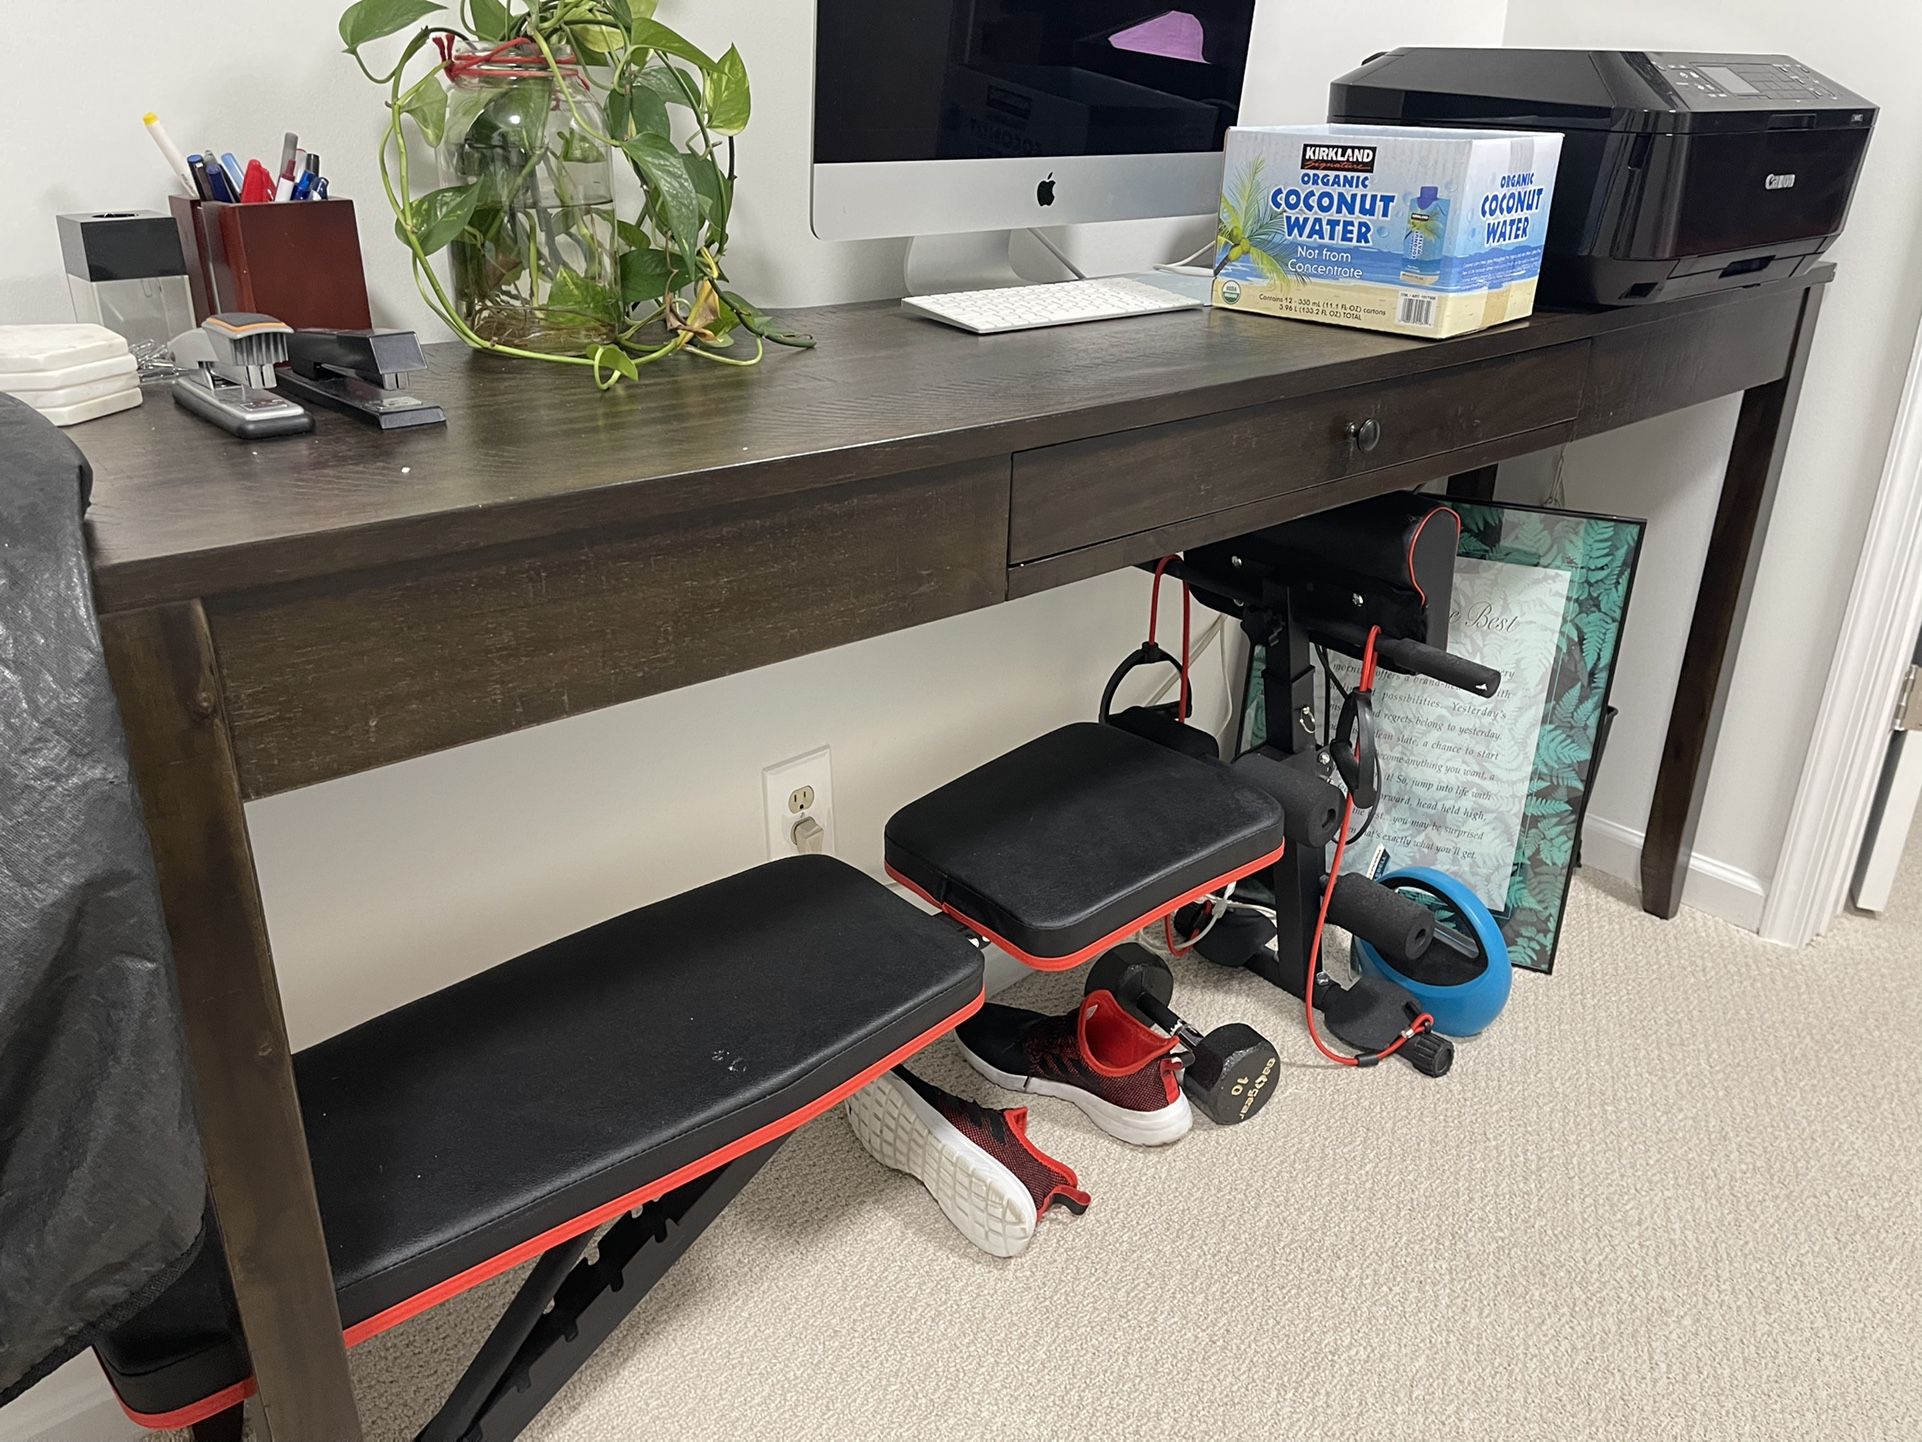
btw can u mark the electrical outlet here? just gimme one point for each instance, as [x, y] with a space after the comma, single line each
[795, 793]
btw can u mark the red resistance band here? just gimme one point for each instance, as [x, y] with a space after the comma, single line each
[1365, 686]
[1154, 618]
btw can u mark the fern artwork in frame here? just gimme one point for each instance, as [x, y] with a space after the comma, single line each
[1548, 750]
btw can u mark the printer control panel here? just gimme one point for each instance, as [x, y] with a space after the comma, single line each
[1740, 82]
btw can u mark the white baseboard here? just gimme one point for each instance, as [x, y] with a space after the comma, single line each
[1712, 886]
[73, 1405]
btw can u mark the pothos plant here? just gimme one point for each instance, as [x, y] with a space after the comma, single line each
[528, 98]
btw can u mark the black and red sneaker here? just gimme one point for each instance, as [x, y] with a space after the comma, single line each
[1119, 1070]
[978, 1164]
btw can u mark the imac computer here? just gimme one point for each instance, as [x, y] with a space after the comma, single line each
[968, 119]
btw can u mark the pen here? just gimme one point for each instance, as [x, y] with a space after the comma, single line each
[289, 171]
[236, 177]
[198, 169]
[259, 186]
[217, 183]
[176, 162]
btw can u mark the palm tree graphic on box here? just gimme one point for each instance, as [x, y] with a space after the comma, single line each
[1251, 230]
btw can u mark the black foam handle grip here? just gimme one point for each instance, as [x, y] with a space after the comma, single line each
[1398, 926]
[1444, 666]
[1310, 807]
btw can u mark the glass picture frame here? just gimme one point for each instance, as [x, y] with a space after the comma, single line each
[1599, 555]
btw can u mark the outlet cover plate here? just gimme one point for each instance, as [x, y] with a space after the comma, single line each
[779, 782]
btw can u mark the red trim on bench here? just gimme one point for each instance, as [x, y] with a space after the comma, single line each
[554, 1236]
[1088, 953]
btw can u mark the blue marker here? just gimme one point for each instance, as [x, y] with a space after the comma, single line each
[236, 176]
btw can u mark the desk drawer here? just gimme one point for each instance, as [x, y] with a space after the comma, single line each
[1084, 492]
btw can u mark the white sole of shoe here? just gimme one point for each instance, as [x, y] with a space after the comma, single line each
[986, 1202]
[1143, 1129]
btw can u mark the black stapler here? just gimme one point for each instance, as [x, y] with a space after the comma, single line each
[361, 373]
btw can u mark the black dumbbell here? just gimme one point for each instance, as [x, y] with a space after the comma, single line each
[1229, 1073]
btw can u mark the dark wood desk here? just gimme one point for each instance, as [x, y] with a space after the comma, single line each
[283, 612]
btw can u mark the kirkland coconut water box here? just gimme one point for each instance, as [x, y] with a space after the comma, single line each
[1419, 231]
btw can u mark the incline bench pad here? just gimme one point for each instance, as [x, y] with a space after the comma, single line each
[1078, 835]
[449, 1134]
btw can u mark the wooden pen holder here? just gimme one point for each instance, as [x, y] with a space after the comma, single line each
[297, 261]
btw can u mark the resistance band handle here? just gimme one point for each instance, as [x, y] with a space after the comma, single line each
[1148, 654]
[1397, 926]
[1446, 667]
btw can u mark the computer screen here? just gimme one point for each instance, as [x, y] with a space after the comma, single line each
[934, 80]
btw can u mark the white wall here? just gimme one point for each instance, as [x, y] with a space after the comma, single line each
[1669, 469]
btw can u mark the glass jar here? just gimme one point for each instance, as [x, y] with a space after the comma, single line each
[538, 266]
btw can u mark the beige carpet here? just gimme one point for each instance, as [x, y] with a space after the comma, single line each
[1673, 1193]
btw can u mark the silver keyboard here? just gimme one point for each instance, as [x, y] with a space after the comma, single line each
[1029, 307]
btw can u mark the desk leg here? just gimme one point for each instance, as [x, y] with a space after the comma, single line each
[258, 1172]
[1475, 485]
[1721, 608]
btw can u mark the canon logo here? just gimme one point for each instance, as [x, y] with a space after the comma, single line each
[1780, 182]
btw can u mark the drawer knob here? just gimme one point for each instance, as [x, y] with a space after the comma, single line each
[1365, 434]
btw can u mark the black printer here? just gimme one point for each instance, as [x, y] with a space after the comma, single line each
[1680, 173]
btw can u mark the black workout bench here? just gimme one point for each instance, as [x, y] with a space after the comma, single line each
[638, 1072]
[642, 1071]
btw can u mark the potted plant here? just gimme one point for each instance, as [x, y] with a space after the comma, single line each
[530, 104]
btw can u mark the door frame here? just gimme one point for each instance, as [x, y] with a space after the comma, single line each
[1828, 820]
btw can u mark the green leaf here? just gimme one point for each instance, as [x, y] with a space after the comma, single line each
[491, 21]
[727, 94]
[645, 272]
[665, 170]
[576, 293]
[650, 34]
[437, 217]
[716, 194]
[647, 110]
[761, 324]
[427, 103]
[670, 84]
[520, 112]
[597, 40]
[612, 357]
[464, 107]
[579, 148]
[367, 20]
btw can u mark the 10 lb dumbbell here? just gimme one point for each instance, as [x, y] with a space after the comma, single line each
[1228, 1073]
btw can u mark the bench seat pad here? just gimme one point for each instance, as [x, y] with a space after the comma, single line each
[1064, 846]
[470, 1130]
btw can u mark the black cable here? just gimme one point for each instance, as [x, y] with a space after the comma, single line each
[1327, 703]
[1363, 831]
[1327, 699]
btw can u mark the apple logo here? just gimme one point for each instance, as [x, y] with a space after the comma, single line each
[1044, 192]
